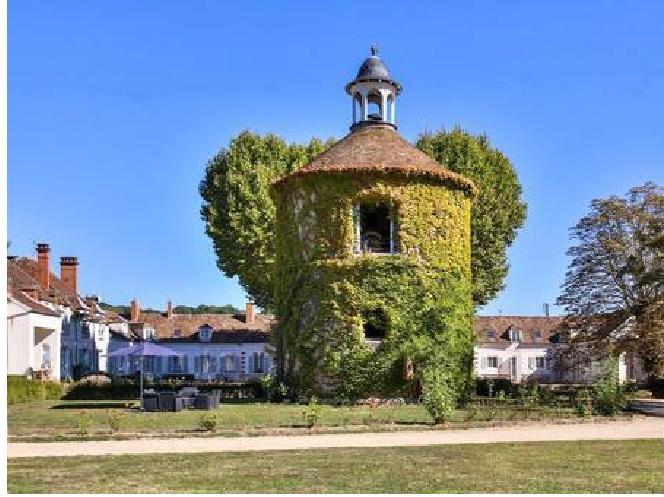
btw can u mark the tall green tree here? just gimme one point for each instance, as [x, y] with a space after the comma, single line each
[238, 211]
[614, 289]
[498, 211]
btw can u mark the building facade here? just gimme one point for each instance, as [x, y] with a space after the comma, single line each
[71, 334]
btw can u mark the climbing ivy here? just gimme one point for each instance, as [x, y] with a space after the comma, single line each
[324, 291]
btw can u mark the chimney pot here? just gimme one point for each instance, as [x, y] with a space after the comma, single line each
[43, 265]
[249, 313]
[69, 274]
[169, 309]
[135, 310]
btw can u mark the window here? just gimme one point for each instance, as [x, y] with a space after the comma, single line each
[177, 364]
[375, 324]
[490, 335]
[374, 228]
[492, 362]
[177, 333]
[257, 362]
[540, 362]
[229, 363]
[100, 334]
[514, 335]
[205, 333]
[537, 336]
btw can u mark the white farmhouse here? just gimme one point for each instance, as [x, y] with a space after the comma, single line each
[73, 332]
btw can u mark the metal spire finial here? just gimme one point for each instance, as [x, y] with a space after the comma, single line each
[374, 50]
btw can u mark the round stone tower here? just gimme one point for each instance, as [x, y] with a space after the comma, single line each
[373, 257]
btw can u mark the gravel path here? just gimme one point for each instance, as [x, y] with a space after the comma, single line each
[603, 430]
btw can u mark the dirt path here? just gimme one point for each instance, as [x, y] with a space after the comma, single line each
[606, 430]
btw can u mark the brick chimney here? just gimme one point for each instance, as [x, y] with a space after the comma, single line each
[135, 314]
[69, 274]
[43, 265]
[169, 309]
[249, 313]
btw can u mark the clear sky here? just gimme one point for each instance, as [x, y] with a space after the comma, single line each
[115, 106]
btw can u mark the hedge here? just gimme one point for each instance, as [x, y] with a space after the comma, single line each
[129, 390]
[21, 389]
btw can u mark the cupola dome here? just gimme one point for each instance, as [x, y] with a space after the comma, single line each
[373, 91]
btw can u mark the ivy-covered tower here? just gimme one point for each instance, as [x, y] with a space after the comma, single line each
[373, 258]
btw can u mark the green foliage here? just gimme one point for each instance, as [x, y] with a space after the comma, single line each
[237, 208]
[20, 389]
[614, 282]
[312, 413]
[498, 211]
[325, 292]
[116, 419]
[208, 421]
[439, 394]
[83, 423]
[609, 396]
[275, 390]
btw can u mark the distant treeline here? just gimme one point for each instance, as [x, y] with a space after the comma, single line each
[125, 310]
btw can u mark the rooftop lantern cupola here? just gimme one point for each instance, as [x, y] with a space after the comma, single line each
[373, 92]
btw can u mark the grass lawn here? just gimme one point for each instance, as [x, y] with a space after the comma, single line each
[537, 467]
[58, 419]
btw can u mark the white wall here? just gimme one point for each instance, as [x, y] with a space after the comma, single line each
[23, 350]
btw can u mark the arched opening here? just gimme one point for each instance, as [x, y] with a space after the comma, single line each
[375, 324]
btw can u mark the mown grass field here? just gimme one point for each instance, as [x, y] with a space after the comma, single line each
[537, 467]
[57, 419]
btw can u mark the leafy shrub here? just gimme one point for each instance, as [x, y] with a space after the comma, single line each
[21, 389]
[312, 413]
[439, 395]
[609, 397]
[208, 421]
[489, 388]
[83, 423]
[656, 386]
[115, 420]
[274, 390]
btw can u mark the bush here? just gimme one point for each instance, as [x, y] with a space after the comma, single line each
[656, 386]
[609, 397]
[21, 389]
[490, 388]
[91, 391]
[115, 420]
[274, 390]
[439, 395]
[312, 413]
[83, 423]
[208, 421]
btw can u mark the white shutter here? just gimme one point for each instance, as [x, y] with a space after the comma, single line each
[531, 363]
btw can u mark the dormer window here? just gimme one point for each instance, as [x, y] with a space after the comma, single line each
[177, 333]
[538, 336]
[375, 230]
[205, 333]
[490, 334]
[515, 335]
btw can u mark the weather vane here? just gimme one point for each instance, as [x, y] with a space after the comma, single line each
[374, 49]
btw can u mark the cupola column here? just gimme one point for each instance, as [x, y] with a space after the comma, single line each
[364, 95]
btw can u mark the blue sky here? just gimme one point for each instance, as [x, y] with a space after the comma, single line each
[115, 106]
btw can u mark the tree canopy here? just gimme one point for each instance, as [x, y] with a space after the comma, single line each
[614, 289]
[239, 213]
[498, 211]
[237, 209]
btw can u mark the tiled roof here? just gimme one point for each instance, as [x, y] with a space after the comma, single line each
[188, 324]
[534, 329]
[33, 305]
[241, 336]
[379, 149]
[22, 275]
